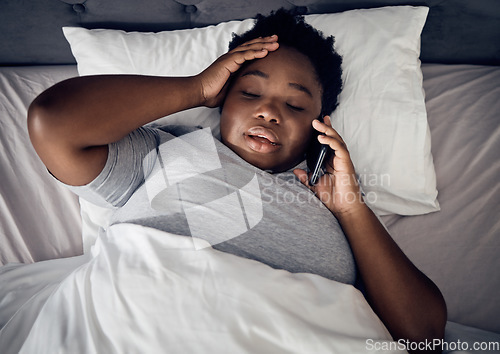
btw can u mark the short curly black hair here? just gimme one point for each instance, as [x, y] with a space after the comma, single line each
[292, 31]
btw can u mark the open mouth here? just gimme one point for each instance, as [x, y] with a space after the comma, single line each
[262, 140]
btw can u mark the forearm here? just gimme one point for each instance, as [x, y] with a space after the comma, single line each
[409, 303]
[97, 110]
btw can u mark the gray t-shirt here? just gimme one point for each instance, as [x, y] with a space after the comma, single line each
[184, 181]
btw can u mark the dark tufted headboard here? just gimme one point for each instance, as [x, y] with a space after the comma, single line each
[457, 31]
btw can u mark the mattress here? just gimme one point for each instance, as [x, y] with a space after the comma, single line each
[456, 247]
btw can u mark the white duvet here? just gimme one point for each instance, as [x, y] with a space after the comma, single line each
[146, 291]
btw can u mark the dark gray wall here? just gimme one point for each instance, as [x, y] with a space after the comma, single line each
[457, 31]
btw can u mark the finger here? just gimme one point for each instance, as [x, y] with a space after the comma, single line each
[233, 61]
[340, 162]
[272, 38]
[326, 129]
[270, 43]
[336, 144]
[269, 47]
[327, 120]
[241, 57]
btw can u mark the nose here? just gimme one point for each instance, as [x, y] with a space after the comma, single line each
[269, 112]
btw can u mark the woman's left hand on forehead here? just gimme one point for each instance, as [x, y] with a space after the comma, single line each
[338, 188]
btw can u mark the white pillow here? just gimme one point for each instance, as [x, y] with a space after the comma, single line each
[381, 114]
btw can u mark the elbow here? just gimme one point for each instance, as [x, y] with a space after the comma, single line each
[36, 123]
[40, 121]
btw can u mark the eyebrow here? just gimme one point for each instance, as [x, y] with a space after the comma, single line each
[256, 73]
[291, 84]
[300, 88]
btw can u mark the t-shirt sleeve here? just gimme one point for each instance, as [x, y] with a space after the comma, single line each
[129, 161]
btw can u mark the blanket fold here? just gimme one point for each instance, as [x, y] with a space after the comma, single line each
[145, 290]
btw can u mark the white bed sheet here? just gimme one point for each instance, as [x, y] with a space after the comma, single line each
[456, 247]
[38, 218]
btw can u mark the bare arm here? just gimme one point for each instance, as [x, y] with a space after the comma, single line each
[72, 123]
[409, 303]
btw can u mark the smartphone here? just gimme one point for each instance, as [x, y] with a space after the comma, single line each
[317, 154]
[318, 166]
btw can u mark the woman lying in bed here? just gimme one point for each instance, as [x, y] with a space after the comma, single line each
[274, 87]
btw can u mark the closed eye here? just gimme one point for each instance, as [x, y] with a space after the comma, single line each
[249, 94]
[295, 108]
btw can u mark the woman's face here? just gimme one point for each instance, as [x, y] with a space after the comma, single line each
[267, 115]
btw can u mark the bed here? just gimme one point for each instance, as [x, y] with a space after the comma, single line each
[442, 205]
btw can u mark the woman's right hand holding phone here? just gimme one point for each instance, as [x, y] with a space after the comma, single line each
[338, 188]
[214, 79]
